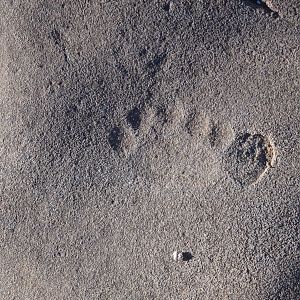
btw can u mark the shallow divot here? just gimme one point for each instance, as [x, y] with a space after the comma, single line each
[182, 256]
[134, 118]
[214, 135]
[249, 157]
[220, 135]
[133, 131]
[197, 124]
[175, 115]
[168, 6]
[56, 37]
[115, 138]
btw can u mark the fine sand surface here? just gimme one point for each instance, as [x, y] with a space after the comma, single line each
[149, 149]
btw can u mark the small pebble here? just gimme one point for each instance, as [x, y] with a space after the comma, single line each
[182, 256]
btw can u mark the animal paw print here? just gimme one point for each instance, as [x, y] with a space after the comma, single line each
[173, 131]
[249, 158]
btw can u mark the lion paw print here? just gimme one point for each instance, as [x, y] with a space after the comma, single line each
[246, 157]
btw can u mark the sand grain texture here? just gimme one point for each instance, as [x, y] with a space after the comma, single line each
[130, 130]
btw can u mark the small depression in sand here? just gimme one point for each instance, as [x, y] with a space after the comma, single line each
[249, 158]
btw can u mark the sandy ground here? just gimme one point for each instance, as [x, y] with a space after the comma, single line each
[149, 149]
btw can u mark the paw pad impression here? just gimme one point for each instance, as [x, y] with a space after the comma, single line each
[249, 157]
